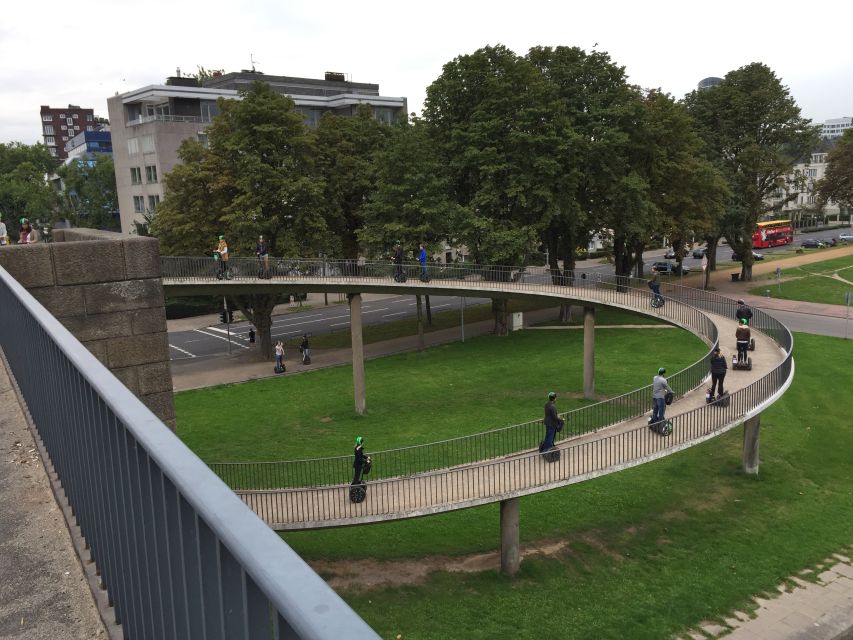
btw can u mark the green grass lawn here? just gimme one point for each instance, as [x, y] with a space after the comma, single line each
[419, 397]
[651, 550]
[810, 282]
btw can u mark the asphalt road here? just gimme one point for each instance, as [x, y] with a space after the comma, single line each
[214, 340]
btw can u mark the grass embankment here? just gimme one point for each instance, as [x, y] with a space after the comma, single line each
[419, 397]
[651, 550]
[812, 282]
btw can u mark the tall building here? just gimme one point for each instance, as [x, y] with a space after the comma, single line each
[88, 143]
[707, 83]
[835, 127]
[60, 125]
[804, 208]
[149, 124]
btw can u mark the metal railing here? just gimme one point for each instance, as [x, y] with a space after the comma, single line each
[179, 554]
[165, 118]
[490, 444]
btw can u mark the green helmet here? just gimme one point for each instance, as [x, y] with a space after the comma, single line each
[744, 321]
[552, 395]
[222, 237]
[661, 371]
[359, 440]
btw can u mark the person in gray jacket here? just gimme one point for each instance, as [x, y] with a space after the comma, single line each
[660, 388]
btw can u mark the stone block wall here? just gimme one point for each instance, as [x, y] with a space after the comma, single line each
[106, 289]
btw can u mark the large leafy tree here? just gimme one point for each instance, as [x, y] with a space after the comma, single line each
[90, 192]
[412, 204]
[488, 114]
[754, 133]
[347, 149]
[23, 189]
[837, 182]
[256, 177]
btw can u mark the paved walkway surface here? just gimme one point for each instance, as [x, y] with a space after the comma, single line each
[43, 591]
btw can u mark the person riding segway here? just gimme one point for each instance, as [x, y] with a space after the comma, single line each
[361, 466]
[553, 425]
[662, 395]
[743, 337]
[744, 312]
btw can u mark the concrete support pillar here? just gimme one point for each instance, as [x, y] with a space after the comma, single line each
[357, 352]
[420, 323]
[589, 352]
[510, 556]
[750, 445]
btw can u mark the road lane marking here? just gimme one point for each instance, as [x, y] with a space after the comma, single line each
[213, 335]
[191, 355]
[399, 313]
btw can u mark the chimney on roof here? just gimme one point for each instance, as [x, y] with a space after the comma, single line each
[334, 76]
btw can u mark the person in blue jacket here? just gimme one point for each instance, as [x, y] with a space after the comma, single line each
[422, 258]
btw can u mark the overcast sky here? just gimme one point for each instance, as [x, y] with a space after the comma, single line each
[56, 53]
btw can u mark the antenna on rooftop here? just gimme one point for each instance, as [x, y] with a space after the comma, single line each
[253, 61]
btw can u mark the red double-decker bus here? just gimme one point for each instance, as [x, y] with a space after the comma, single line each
[772, 234]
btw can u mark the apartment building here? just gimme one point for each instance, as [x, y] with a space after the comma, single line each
[835, 127]
[149, 124]
[59, 125]
[803, 209]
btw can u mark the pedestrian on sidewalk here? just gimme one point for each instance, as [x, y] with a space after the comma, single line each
[660, 387]
[553, 423]
[279, 356]
[718, 372]
[743, 335]
[305, 349]
[398, 263]
[744, 312]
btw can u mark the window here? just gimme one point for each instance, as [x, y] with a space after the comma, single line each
[52, 150]
[202, 137]
[69, 120]
[65, 138]
[135, 175]
[138, 204]
[147, 144]
[64, 127]
[89, 117]
[132, 146]
[90, 128]
[49, 140]
[75, 115]
[153, 201]
[46, 117]
[151, 173]
[62, 116]
[48, 129]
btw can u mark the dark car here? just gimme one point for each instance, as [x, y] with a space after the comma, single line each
[669, 268]
[812, 243]
[699, 252]
[755, 256]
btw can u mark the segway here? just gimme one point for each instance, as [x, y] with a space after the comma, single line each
[424, 277]
[742, 365]
[722, 400]
[279, 369]
[657, 301]
[358, 491]
[400, 276]
[662, 427]
[551, 455]
[752, 344]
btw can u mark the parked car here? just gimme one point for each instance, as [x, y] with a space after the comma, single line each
[699, 252]
[755, 256]
[845, 237]
[670, 254]
[669, 268]
[812, 243]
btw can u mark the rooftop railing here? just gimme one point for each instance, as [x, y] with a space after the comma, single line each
[178, 553]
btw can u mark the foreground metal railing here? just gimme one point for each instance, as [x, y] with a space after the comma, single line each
[179, 554]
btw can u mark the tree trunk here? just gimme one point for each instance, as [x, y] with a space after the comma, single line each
[711, 253]
[500, 309]
[565, 313]
[428, 311]
[258, 310]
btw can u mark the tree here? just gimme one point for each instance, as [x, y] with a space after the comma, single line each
[23, 189]
[488, 116]
[256, 177]
[90, 192]
[347, 148]
[754, 133]
[837, 182]
[412, 202]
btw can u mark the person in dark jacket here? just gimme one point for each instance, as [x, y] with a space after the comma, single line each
[553, 422]
[305, 348]
[398, 263]
[358, 462]
[743, 312]
[718, 372]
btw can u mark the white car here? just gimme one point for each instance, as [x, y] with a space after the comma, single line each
[845, 237]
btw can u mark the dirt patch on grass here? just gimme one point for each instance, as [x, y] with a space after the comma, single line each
[362, 575]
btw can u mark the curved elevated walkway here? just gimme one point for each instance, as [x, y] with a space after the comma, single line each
[521, 471]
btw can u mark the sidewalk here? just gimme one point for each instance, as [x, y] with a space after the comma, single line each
[43, 591]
